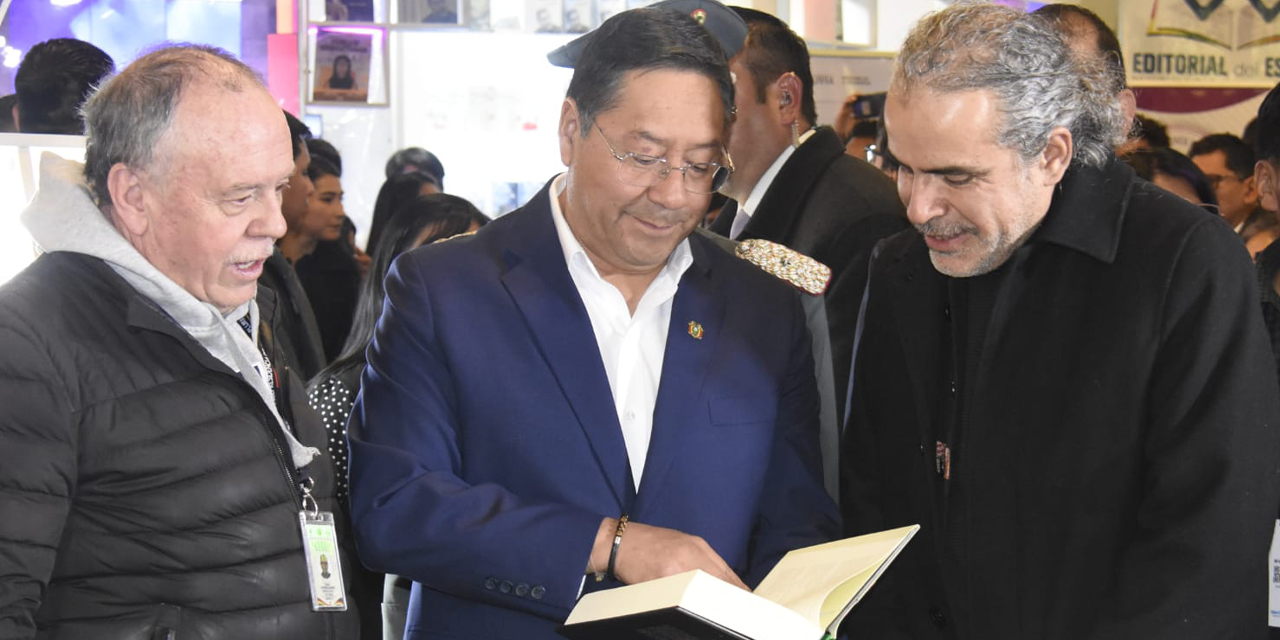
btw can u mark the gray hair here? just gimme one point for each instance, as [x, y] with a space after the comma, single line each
[1037, 81]
[126, 116]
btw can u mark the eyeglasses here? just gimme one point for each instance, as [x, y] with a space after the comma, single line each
[1215, 181]
[639, 170]
[873, 152]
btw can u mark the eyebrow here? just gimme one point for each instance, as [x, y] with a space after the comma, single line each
[649, 137]
[952, 170]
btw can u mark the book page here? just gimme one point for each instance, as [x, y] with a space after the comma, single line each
[703, 595]
[1253, 30]
[1175, 18]
[805, 578]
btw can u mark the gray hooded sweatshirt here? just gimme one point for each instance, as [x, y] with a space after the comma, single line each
[63, 217]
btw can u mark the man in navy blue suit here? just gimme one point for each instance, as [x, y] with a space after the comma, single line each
[581, 394]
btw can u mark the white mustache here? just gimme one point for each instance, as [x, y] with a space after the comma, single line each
[938, 227]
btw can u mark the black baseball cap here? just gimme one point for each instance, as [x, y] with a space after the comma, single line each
[729, 29]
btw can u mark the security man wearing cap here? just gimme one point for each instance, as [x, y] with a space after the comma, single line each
[793, 183]
[582, 394]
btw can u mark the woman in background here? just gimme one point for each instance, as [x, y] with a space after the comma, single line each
[342, 78]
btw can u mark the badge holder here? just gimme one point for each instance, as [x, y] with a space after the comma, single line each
[324, 567]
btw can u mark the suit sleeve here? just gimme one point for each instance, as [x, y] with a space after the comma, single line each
[1195, 568]
[414, 515]
[37, 475]
[795, 509]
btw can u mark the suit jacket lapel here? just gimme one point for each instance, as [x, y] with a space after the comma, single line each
[780, 208]
[538, 281]
[684, 365]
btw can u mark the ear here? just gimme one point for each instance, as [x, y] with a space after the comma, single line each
[128, 202]
[1264, 176]
[1056, 156]
[1250, 185]
[790, 93]
[570, 130]
[1128, 105]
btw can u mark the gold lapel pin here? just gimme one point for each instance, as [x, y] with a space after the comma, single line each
[695, 330]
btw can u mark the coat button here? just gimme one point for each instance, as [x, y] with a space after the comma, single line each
[936, 615]
[522, 589]
[946, 312]
[491, 583]
[536, 592]
[506, 586]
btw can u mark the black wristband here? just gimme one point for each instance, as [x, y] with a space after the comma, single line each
[617, 542]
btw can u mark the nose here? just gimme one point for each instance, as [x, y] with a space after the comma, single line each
[669, 192]
[919, 198]
[270, 222]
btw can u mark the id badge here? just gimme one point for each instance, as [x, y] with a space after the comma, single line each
[1273, 617]
[324, 567]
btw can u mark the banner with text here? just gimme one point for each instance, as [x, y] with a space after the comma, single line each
[1211, 42]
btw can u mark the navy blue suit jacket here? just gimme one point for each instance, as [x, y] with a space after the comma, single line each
[485, 446]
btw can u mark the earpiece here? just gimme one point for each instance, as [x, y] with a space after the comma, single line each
[786, 99]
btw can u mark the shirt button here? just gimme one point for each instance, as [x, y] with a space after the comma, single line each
[946, 312]
[630, 415]
[953, 387]
[506, 586]
[491, 583]
[936, 615]
[537, 592]
[522, 589]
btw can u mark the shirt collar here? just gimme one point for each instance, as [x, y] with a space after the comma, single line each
[762, 185]
[576, 257]
[1088, 209]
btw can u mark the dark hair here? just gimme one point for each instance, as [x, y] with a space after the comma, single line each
[126, 115]
[772, 49]
[416, 159]
[644, 40]
[299, 133]
[1238, 154]
[1267, 143]
[1250, 134]
[54, 79]
[320, 148]
[6, 112]
[1106, 42]
[1148, 162]
[446, 216]
[396, 191]
[320, 166]
[341, 58]
[887, 159]
[864, 129]
[1153, 131]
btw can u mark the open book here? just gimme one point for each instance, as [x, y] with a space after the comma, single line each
[1227, 27]
[804, 598]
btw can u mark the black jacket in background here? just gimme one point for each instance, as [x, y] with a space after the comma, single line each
[299, 334]
[144, 486]
[833, 208]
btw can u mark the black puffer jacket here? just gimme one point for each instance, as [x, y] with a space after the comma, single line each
[145, 489]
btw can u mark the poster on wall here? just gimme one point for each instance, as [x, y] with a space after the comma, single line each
[342, 66]
[837, 74]
[1209, 42]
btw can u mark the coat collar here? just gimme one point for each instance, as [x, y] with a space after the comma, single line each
[1088, 210]
[780, 207]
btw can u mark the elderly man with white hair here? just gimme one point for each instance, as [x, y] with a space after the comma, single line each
[160, 473]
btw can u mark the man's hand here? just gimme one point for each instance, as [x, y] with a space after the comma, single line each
[648, 553]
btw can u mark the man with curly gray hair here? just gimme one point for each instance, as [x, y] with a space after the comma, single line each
[1061, 372]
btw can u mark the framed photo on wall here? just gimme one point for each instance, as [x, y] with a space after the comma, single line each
[444, 13]
[348, 65]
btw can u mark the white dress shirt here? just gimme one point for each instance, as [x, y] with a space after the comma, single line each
[631, 346]
[743, 215]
